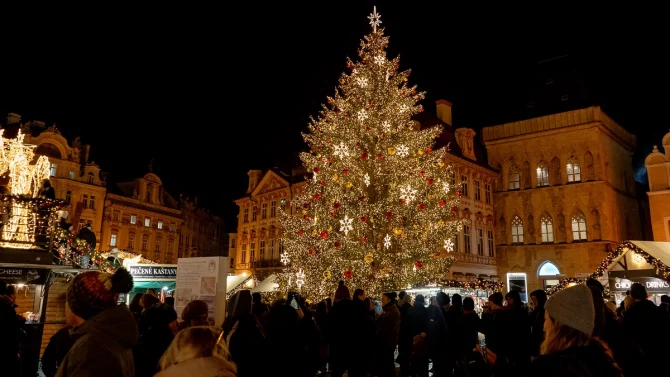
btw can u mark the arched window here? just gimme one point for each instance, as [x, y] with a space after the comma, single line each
[574, 170]
[513, 177]
[90, 178]
[517, 230]
[548, 269]
[579, 226]
[547, 228]
[542, 175]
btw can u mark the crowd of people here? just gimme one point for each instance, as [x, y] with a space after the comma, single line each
[576, 332]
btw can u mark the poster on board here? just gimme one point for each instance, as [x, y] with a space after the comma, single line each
[203, 279]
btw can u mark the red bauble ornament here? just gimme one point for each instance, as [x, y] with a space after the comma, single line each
[442, 203]
[429, 149]
[306, 205]
[345, 171]
[337, 245]
[429, 181]
[324, 234]
[330, 160]
[402, 201]
[364, 219]
[421, 173]
[316, 170]
[333, 214]
[347, 274]
[422, 206]
[418, 264]
[300, 232]
[379, 156]
[389, 214]
[336, 205]
[363, 239]
[364, 156]
[367, 128]
[458, 193]
[312, 251]
[317, 196]
[323, 183]
[306, 217]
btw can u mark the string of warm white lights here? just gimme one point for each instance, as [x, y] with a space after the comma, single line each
[377, 209]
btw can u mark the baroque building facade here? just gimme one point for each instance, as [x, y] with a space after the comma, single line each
[141, 217]
[563, 197]
[202, 234]
[658, 174]
[75, 179]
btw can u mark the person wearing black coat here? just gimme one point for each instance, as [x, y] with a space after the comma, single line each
[9, 334]
[539, 298]
[58, 347]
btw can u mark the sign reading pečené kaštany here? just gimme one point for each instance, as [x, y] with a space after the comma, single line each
[153, 272]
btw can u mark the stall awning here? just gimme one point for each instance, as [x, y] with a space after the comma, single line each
[235, 281]
[658, 250]
[267, 285]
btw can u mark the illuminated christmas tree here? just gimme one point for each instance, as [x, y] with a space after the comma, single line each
[376, 210]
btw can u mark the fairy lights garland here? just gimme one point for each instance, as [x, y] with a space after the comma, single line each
[477, 284]
[627, 246]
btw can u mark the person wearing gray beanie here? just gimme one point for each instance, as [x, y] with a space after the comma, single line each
[568, 348]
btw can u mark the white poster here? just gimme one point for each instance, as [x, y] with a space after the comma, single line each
[202, 279]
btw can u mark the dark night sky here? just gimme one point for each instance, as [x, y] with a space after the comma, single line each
[213, 92]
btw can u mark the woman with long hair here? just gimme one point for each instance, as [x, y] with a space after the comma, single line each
[568, 348]
[197, 351]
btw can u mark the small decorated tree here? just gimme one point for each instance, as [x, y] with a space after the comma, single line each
[377, 208]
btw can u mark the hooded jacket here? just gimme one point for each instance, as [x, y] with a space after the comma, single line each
[201, 367]
[103, 346]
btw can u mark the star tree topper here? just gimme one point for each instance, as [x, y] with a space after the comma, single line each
[375, 19]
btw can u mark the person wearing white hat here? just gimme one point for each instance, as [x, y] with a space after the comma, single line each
[568, 348]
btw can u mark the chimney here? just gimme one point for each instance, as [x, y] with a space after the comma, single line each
[444, 111]
[13, 118]
[254, 178]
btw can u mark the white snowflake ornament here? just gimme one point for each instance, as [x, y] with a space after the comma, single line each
[366, 179]
[449, 245]
[379, 59]
[362, 82]
[404, 108]
[386, 126]
[285, 259]
[407, 193]
[387, 241]
[402, 150]
[362, 115]
[346, 225]
[446, 187]
[299, 278]
[341, 151]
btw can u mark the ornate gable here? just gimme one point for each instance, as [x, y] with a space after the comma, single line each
[271, 181]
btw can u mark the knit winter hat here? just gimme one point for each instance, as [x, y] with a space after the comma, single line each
[573, 307]
[342, 291]
[91, 292]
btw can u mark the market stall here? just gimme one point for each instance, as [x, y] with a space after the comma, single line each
[644, 262]
[160, 277]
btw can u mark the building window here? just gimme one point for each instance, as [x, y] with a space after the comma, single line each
[149, 194]
[145, 243]
[517, 230]
[547, 228]
[480, 241]
[173, 227]
[452, 180]
[112, 240]
[272, 249]
[232, 243]
[246, 215]
[159, 224]
[91, 204]
[487, 193]
[489, 239]
[84, 199]
[70, 174]
[457, 236]
[579, 227]
[158, 247]
[68, 196]
[264, 211]
[133, 219]
[574, 171]
[243, 255]
[282, 204]
[116, 215]
[262, 249]
[52, 171]
[542, 176]
[548, 269]
[478, 190]
[131, 242]
[254, 209]
[252, 252]
[466, 239]
[90, 178]
[464, 185]
[273, 208]
[513, 178]
[147, 222]
[81, 224]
